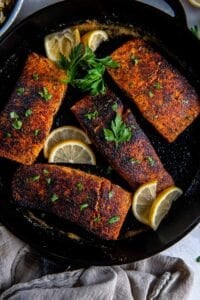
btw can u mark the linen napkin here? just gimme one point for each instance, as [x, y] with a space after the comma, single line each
[25, 275]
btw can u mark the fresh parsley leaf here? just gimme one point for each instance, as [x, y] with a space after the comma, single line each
[92, 82]
[35, 76]
[97, 219]
[17, 124]
[151, 94]
[158, 86]
[35, 178]
[118, 133]
[45, 171]
[79, 186]
[28, 112]
[83, 206]
[113, 220]
[115, 107]
[54, 198]
[36, 132]
[92, 115]
[14, 115]
[20, 91]
[150, 160]
[8, 134]
[196, 31]
[45, 94]
[48, 180]
[134, 160]
[85, 71]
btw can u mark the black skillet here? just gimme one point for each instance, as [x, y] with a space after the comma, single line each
[181, 158]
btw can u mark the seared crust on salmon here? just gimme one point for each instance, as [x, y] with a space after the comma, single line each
[135, 160]
[90, 201]
[27, 118]
[164, 97]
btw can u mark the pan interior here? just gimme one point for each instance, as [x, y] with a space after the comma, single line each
[180, 158]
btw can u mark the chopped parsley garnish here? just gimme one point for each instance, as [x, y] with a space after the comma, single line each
[134, 59]
[28, 112]
[196, 31]
[45, 171]
[48, 180]
[35, 178]
[118, 133]
[36, 132]
[158, 86]
[14, 115]
[97, 219]
[8, 135]
[45, 94]
[54, 198]
[17, 124]
[111, 194]
[92, 115]
[115, 107]
[83, 206]
[113, 220]
[198, 259]
[150, 160]
[85, 71]
[134, 160]
[79, 186]
[35, 76]
[20, 91]
[151, 94]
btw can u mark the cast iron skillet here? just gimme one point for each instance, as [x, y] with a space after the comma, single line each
[181, 158]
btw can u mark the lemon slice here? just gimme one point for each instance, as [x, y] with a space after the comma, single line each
[62, 134]
[142, 201]
[195, 2]
[94, 38]
[162, 205]
[61, 42]
[72, 151]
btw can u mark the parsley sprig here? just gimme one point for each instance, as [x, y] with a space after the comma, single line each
[119, 132]
[85, 71]
[196, 31]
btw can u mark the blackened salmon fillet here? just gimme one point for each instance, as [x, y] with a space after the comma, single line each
[88, 200]
[162, 94]
[27, 118]
[135, 160]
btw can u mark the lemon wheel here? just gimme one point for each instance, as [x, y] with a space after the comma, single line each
[61, 42]
[142, 201]
[94, 38]
[72, 151]
[62, 134]
[162, 205]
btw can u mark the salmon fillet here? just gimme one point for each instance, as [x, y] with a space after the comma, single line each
[90, 201]
[164, 97]
[27, 118]
[135, 160]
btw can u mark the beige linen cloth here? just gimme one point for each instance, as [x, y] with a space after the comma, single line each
[25, 275]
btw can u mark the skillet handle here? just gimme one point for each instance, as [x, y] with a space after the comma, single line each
[179, 11]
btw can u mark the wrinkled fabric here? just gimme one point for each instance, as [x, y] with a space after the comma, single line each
[25, 275]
